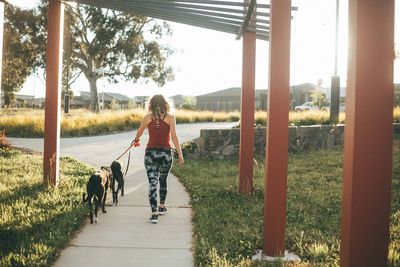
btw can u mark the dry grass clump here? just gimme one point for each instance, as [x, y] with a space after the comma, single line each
[81, 122]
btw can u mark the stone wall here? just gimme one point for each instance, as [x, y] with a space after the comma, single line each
[224, 143]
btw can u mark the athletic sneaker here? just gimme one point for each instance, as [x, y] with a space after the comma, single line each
[162, 210]
[154, 218]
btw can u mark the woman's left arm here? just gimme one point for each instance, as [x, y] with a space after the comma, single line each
[175, 139]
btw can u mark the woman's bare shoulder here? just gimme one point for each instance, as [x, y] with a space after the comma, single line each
[147, 117]
[169, 118]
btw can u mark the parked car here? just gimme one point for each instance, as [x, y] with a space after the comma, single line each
[307, 106]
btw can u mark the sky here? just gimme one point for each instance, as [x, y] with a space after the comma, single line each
[206, 61]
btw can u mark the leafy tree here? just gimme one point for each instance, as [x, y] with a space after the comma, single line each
[319, 98]
[189, 102]
[117, 46]
[22, 29]
[100, 44]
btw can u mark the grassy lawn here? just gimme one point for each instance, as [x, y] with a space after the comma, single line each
[36, 222]
[228, 226]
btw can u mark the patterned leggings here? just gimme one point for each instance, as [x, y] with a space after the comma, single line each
[158, 162]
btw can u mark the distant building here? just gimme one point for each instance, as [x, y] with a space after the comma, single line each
[301, 93]
[22, 101]
[228, 100]
[38, 102]
[397, 94]
[177, 100]
[140, 101]
[105, 100]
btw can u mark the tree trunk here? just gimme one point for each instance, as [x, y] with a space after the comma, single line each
[9, 98]
[94, 97]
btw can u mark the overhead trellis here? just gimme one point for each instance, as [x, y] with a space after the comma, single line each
[233, 17]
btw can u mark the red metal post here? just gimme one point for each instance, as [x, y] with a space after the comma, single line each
[277, 129]
[1, 43]
[247, 114]
[368, 134]
[53, 93]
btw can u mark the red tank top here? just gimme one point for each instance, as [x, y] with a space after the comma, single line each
[158, 133]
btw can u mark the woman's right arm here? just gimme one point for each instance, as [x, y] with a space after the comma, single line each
[175, 139]
[142, 127]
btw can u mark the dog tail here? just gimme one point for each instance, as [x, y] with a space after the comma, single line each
[84, 198]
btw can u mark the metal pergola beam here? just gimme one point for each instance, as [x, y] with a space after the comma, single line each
[1, 43]
[207, 2]
[168, 5]
[249, 14]
[209, 24]
[195, 13]
[51, 151]
[276, 153]
[246, 148]
[367, 160]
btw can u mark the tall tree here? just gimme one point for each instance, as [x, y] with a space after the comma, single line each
[117, 46]
[20, 54]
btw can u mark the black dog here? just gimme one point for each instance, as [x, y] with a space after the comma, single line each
[117, 175]
[96, 188]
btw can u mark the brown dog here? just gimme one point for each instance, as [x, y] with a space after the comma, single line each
[96, 188]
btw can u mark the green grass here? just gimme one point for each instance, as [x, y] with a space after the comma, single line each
[228, 226]
[36, 221]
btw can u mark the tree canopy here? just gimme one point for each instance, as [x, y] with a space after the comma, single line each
[117, 46]
[100, 43]
[23, 33]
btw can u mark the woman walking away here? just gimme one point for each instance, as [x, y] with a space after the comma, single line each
[161, 126]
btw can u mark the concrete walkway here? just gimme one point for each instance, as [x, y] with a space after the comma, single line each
[124, 236]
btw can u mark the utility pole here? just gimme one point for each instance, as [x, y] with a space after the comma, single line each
[68, 49]
[335, 80]
[2, 10]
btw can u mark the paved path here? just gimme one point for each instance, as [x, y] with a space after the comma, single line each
[124, 236]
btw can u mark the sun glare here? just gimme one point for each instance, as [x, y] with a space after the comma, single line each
[24, 3]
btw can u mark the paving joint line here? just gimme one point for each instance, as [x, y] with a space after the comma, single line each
[144, 206]
[127, 247]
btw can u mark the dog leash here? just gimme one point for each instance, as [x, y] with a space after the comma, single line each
[135, 144]
[127, 165]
